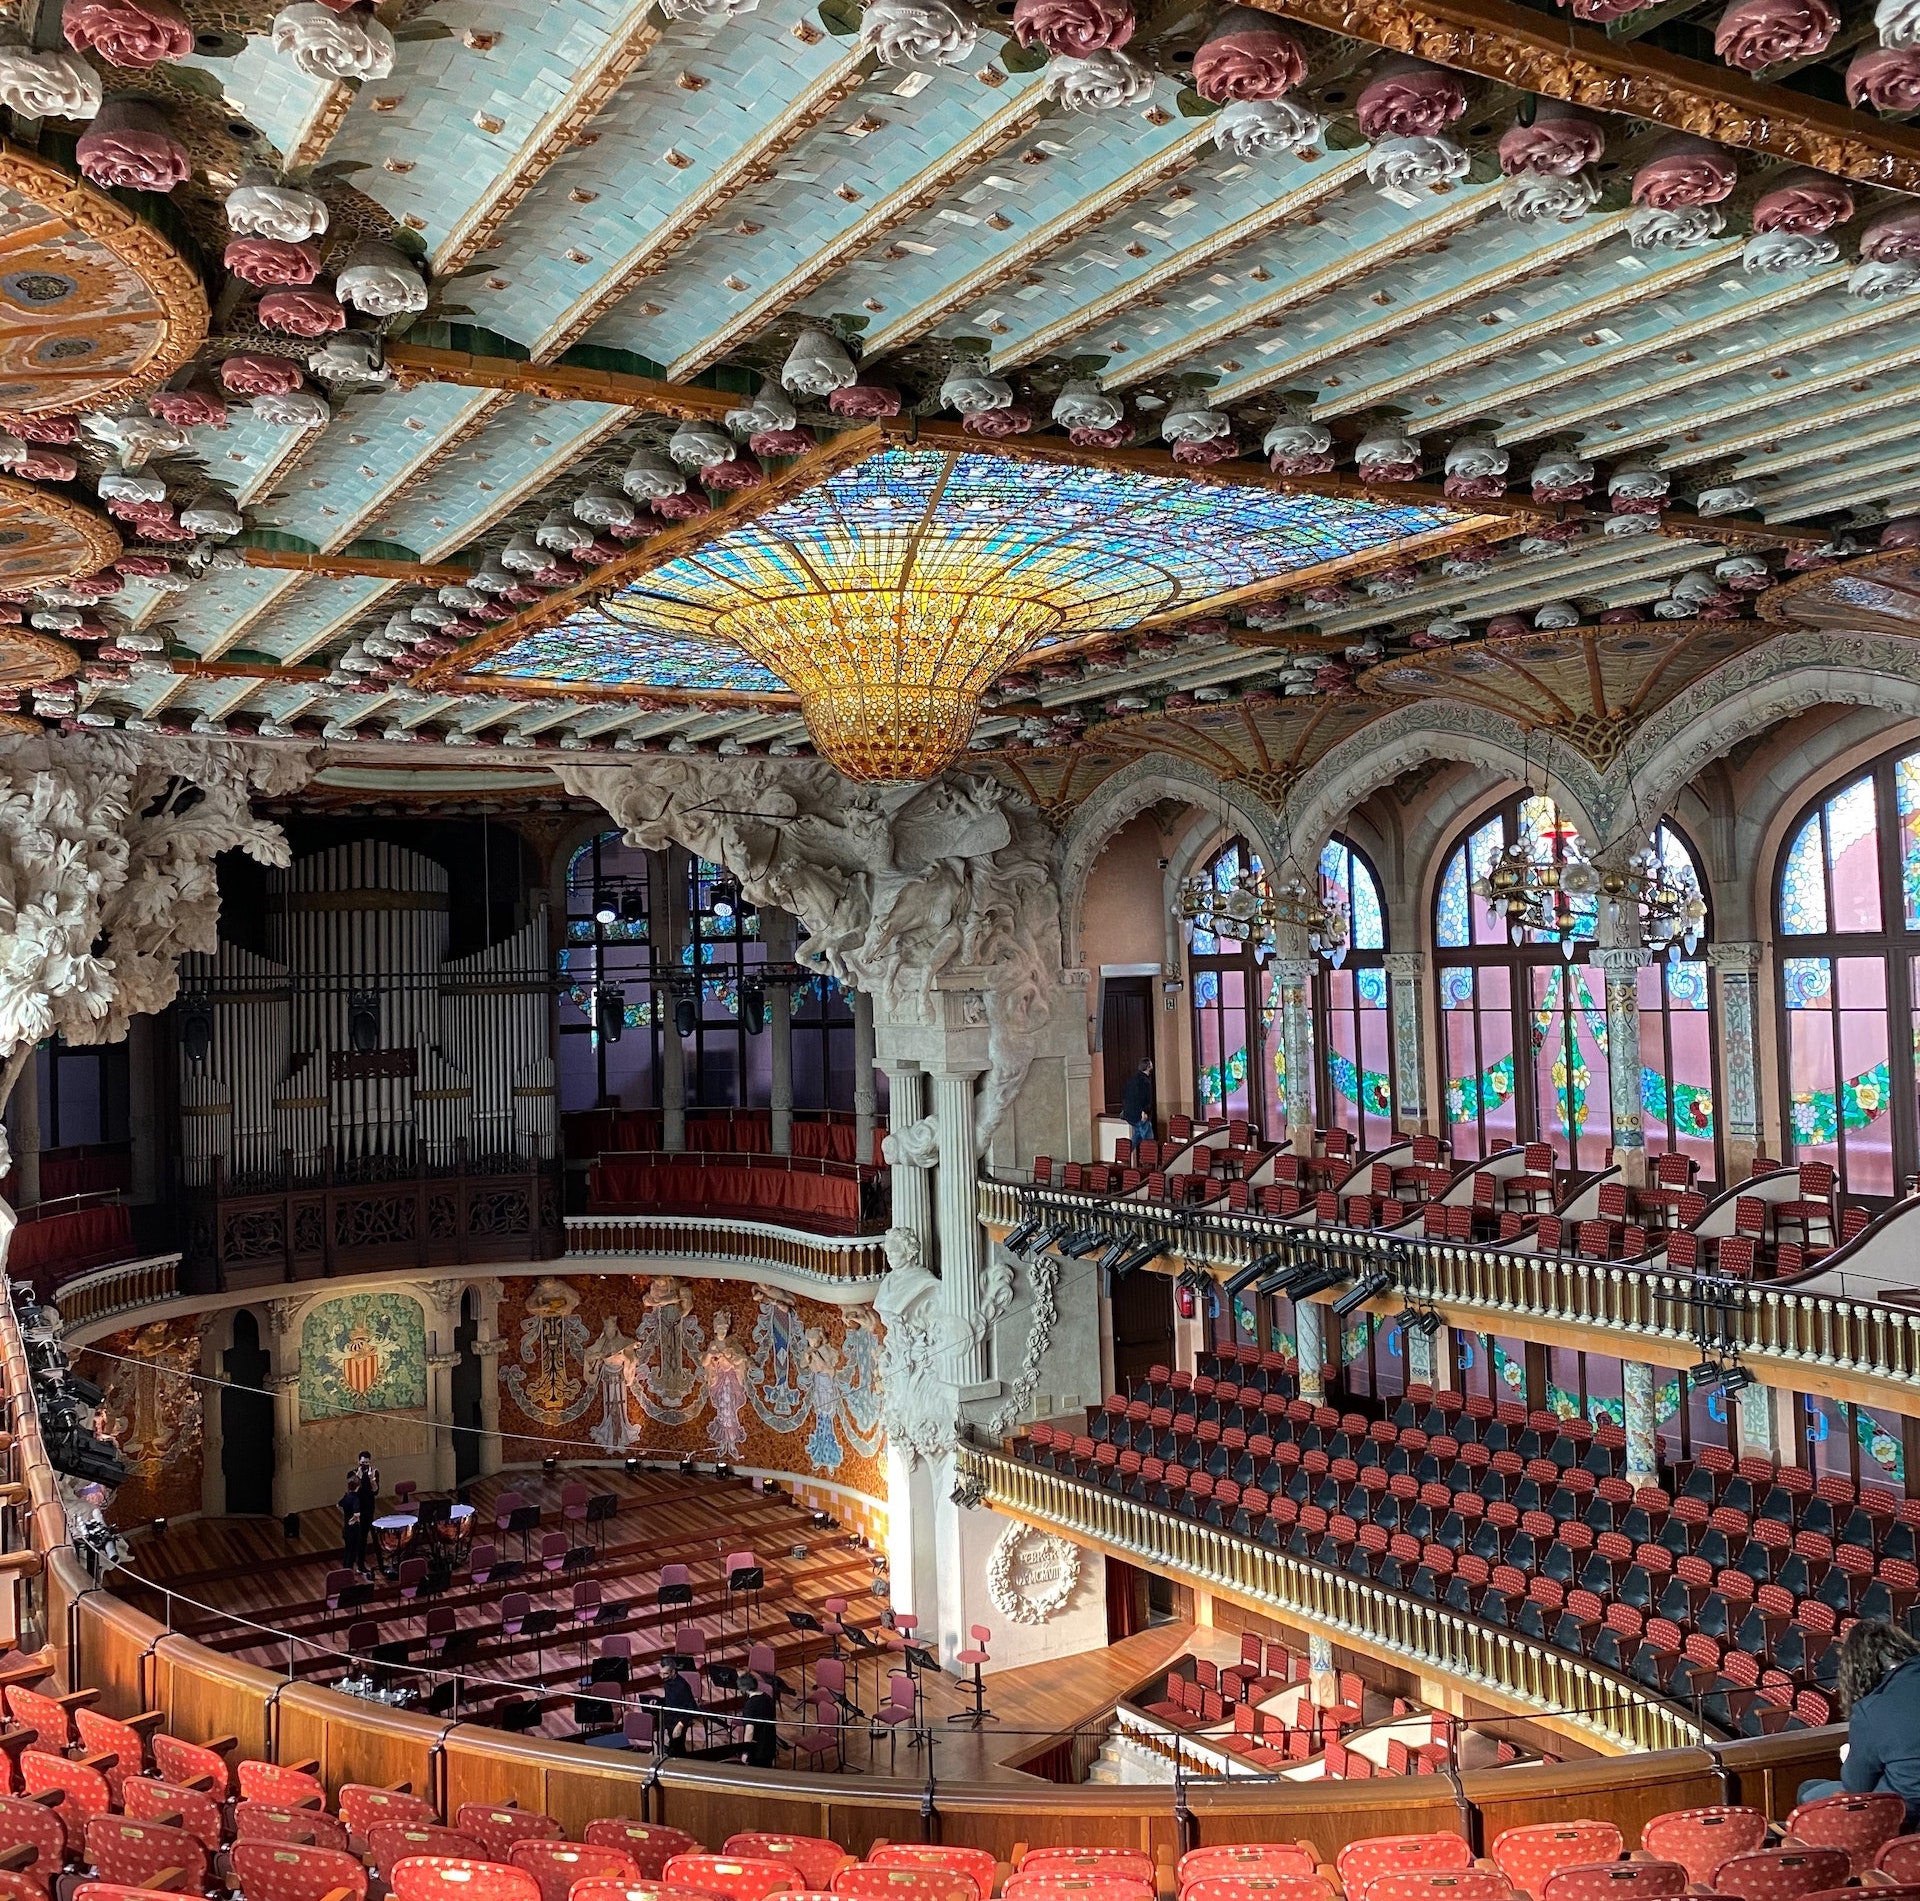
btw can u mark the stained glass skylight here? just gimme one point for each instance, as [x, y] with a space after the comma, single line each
[946, 564]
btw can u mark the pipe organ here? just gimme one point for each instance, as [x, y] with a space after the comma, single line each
[356, 1046]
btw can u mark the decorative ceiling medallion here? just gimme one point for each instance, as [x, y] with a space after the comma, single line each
[44, 538]
[1592, 685]
[28, 660]
[94, 303]
[1878, 593]
[888, 583]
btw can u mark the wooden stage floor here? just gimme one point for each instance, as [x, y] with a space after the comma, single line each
[242, 1587]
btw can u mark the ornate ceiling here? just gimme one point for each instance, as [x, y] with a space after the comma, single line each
[401, 369]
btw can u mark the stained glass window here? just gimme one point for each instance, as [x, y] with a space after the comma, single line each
[1351, 1003]
[1523, 1029]
[1233, 1012]
[1677, 1037]
[1848, 894]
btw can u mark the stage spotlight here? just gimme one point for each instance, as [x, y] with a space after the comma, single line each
[1316, 1281]
[1048, 1235]
[1141, 1254]
[1111, 1253]
[611, 1014]
[363, 1021]
[196, 1026]
[723, 899]
[1079, 1246]
[1736, 1379]
[605, 910]
[633, 908]
[753, 1009]
[686, 1014]
[1265, 1263]
[633, 1468]
[1369, 1287]
[1300, 1269]
[1020, 1237]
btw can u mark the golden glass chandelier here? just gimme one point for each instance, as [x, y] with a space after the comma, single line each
[889, 679]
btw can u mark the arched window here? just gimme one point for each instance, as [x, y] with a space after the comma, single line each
[1848, 898]
[1524, 1015]
[1233, 1008]
[1350, 1003]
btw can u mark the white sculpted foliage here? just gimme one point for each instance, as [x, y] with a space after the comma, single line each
[107, 851]
[923, 1339]
[897, 885]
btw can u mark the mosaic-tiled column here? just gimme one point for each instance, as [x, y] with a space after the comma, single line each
[1758, 1422]
[1417, 1344]
[1636, 1392]
[1310, 1335]
[1323, 1680]
[1737, 1106]
[1404, 970]
[1621, 965]
[1294, 976]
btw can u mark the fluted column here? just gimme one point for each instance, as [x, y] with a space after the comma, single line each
[1310, 1336]
[1637, 1404]
[440, 1419]
[1621, 965]
[1738, 1097]
[957, 1217]
[1417, 1344]
[1410, 1111]
[866, 1093]
[286, 1435]
[912, 1181]
[1294, 976]
[1323, 1680]
[488, 1352]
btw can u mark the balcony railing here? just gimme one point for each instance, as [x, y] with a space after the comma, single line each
[1527, 1677]
[1666, 1313]
[89, 1298]
[729, 1242]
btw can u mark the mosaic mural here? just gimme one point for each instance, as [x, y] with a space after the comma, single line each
[362, 1353]
[723, 1369]
[152, 1411]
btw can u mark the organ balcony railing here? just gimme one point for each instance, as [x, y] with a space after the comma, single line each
[753, 1245]
[1513, 1671]
[1644, 1312]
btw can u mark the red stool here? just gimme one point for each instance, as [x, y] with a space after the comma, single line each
[973, 1659]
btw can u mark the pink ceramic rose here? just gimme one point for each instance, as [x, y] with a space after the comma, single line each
[1475, 488]
[489, 611]
[1684, 171]
[1205, 454]
[520, 594]
[1389, 472]
[865, 402]
[96, 587]
[1753, 34]
[741, 471]
[271, 261]
[247, 374]
[137, 34]
[129, 147]
[1638, 504]
[679, 507]
[144, 567]
[62, 431]
[1073, 28]
[163, 528]
[1887, 78]
[42, 464]
[596, 551]
[1117, 435]
[780, 441]
[1314, 464]
[1806, 203]
[1409, 99]
[1559, 143]
[997, 424]
[1247, 56]
[1619, 616]
[636, 530]
[1508, 626]
[1892, 239]
[122, 508]
[1904, 533]
[188, 408]
[302, 313]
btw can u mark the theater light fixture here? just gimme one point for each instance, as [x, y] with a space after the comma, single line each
[1370, 1286]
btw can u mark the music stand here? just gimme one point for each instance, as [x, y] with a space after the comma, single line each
[804, 1621]
[525, 1519]
[600, 1511]
[540, 1625]
[748, 1581]
[434, 1511]
[920, 1659]
[863, 1647]
[352, 1598]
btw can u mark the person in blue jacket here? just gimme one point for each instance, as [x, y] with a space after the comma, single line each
[1878, 1688]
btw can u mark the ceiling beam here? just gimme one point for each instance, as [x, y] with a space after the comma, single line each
[412, 363]
[1555, 56]
[426, 573]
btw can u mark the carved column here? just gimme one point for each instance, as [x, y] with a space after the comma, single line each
[286, 1436]
[1404, 970]
[912, 1179]
[487, 1348]
[777, 928]
[1757, 1421]
[213, 1477]
[1738, 1099]
[1621, 965]
[1310, 1337]
[1294, 976]
[957, 1217]
[1323, 1680]
[1417, 1344]
[1637, 1403]
[666, 871]
[866, 1093]
[440, 1420]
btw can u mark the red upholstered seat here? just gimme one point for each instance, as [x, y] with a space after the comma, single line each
[497, 1829]
[1438, 1884]
[290, 1788]
[1781, 1874]
[144, 1854]
[651, 1844]
[392, 1842]
[364, 1808]
[1899, 1859]
[1257, 1887]
[83, 1791]
[277, 1871]
[1105, 1864]
[558, 1866]
[816, 1859]
[1528, 1855]
[1618, 1881]
[32, 1824]
[441, 1878]
[1360, 1862]
[147, 1799]
[270, 1822]
[865, 1882]
[1248, 1858]
[186, 1763]
[733, 1877]
[1861, 1824]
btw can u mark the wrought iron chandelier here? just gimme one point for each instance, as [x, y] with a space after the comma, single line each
[1252, 909]
[1554, 897]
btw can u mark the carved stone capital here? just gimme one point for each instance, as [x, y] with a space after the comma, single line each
[1737, 957]
[1293, 972]
[1404, 966]
[1621, 961]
